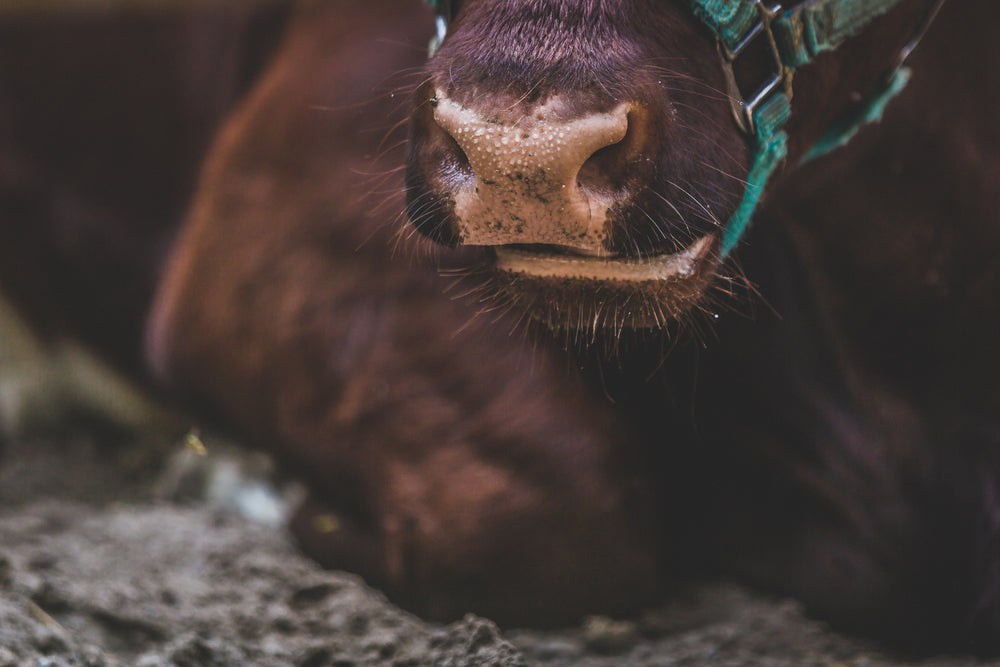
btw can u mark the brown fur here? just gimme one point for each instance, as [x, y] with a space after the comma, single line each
[438, 501]
[839, 445]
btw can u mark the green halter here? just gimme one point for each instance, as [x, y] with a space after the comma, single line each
[794, 38]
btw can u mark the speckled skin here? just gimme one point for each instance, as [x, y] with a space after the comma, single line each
[525, 175]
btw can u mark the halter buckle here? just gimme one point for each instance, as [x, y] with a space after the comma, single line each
[743, 108]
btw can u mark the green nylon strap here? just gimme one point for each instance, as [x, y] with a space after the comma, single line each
[800, 34]
[842, 132]
[817, 26]
[803, 32]
[770, 149]
[729, 20]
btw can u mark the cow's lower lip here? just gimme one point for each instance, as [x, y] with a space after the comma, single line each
[572, 292]
[680, 265]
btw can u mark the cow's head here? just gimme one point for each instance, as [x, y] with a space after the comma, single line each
[591, 145]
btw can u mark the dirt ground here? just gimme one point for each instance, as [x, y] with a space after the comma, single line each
[122, 546]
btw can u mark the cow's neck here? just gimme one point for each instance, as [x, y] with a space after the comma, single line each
[902, 227]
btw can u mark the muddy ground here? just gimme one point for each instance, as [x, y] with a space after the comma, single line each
[121, 545]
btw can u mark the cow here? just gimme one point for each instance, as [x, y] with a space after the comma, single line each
[570, 379]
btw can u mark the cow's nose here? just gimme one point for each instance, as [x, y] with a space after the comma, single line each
[547, 176]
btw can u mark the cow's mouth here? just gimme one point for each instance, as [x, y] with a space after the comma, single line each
[569, 290]
[560, 263]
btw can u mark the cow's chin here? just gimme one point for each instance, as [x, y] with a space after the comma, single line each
[564, 290]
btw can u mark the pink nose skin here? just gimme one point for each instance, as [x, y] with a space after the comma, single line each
[525, 175]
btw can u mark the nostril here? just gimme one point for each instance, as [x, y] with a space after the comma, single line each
[455, 166]
[611, 168]
[600, 173]
[451, 160]
[437, 167]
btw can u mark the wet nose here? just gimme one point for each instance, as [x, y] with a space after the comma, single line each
[537, 177]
